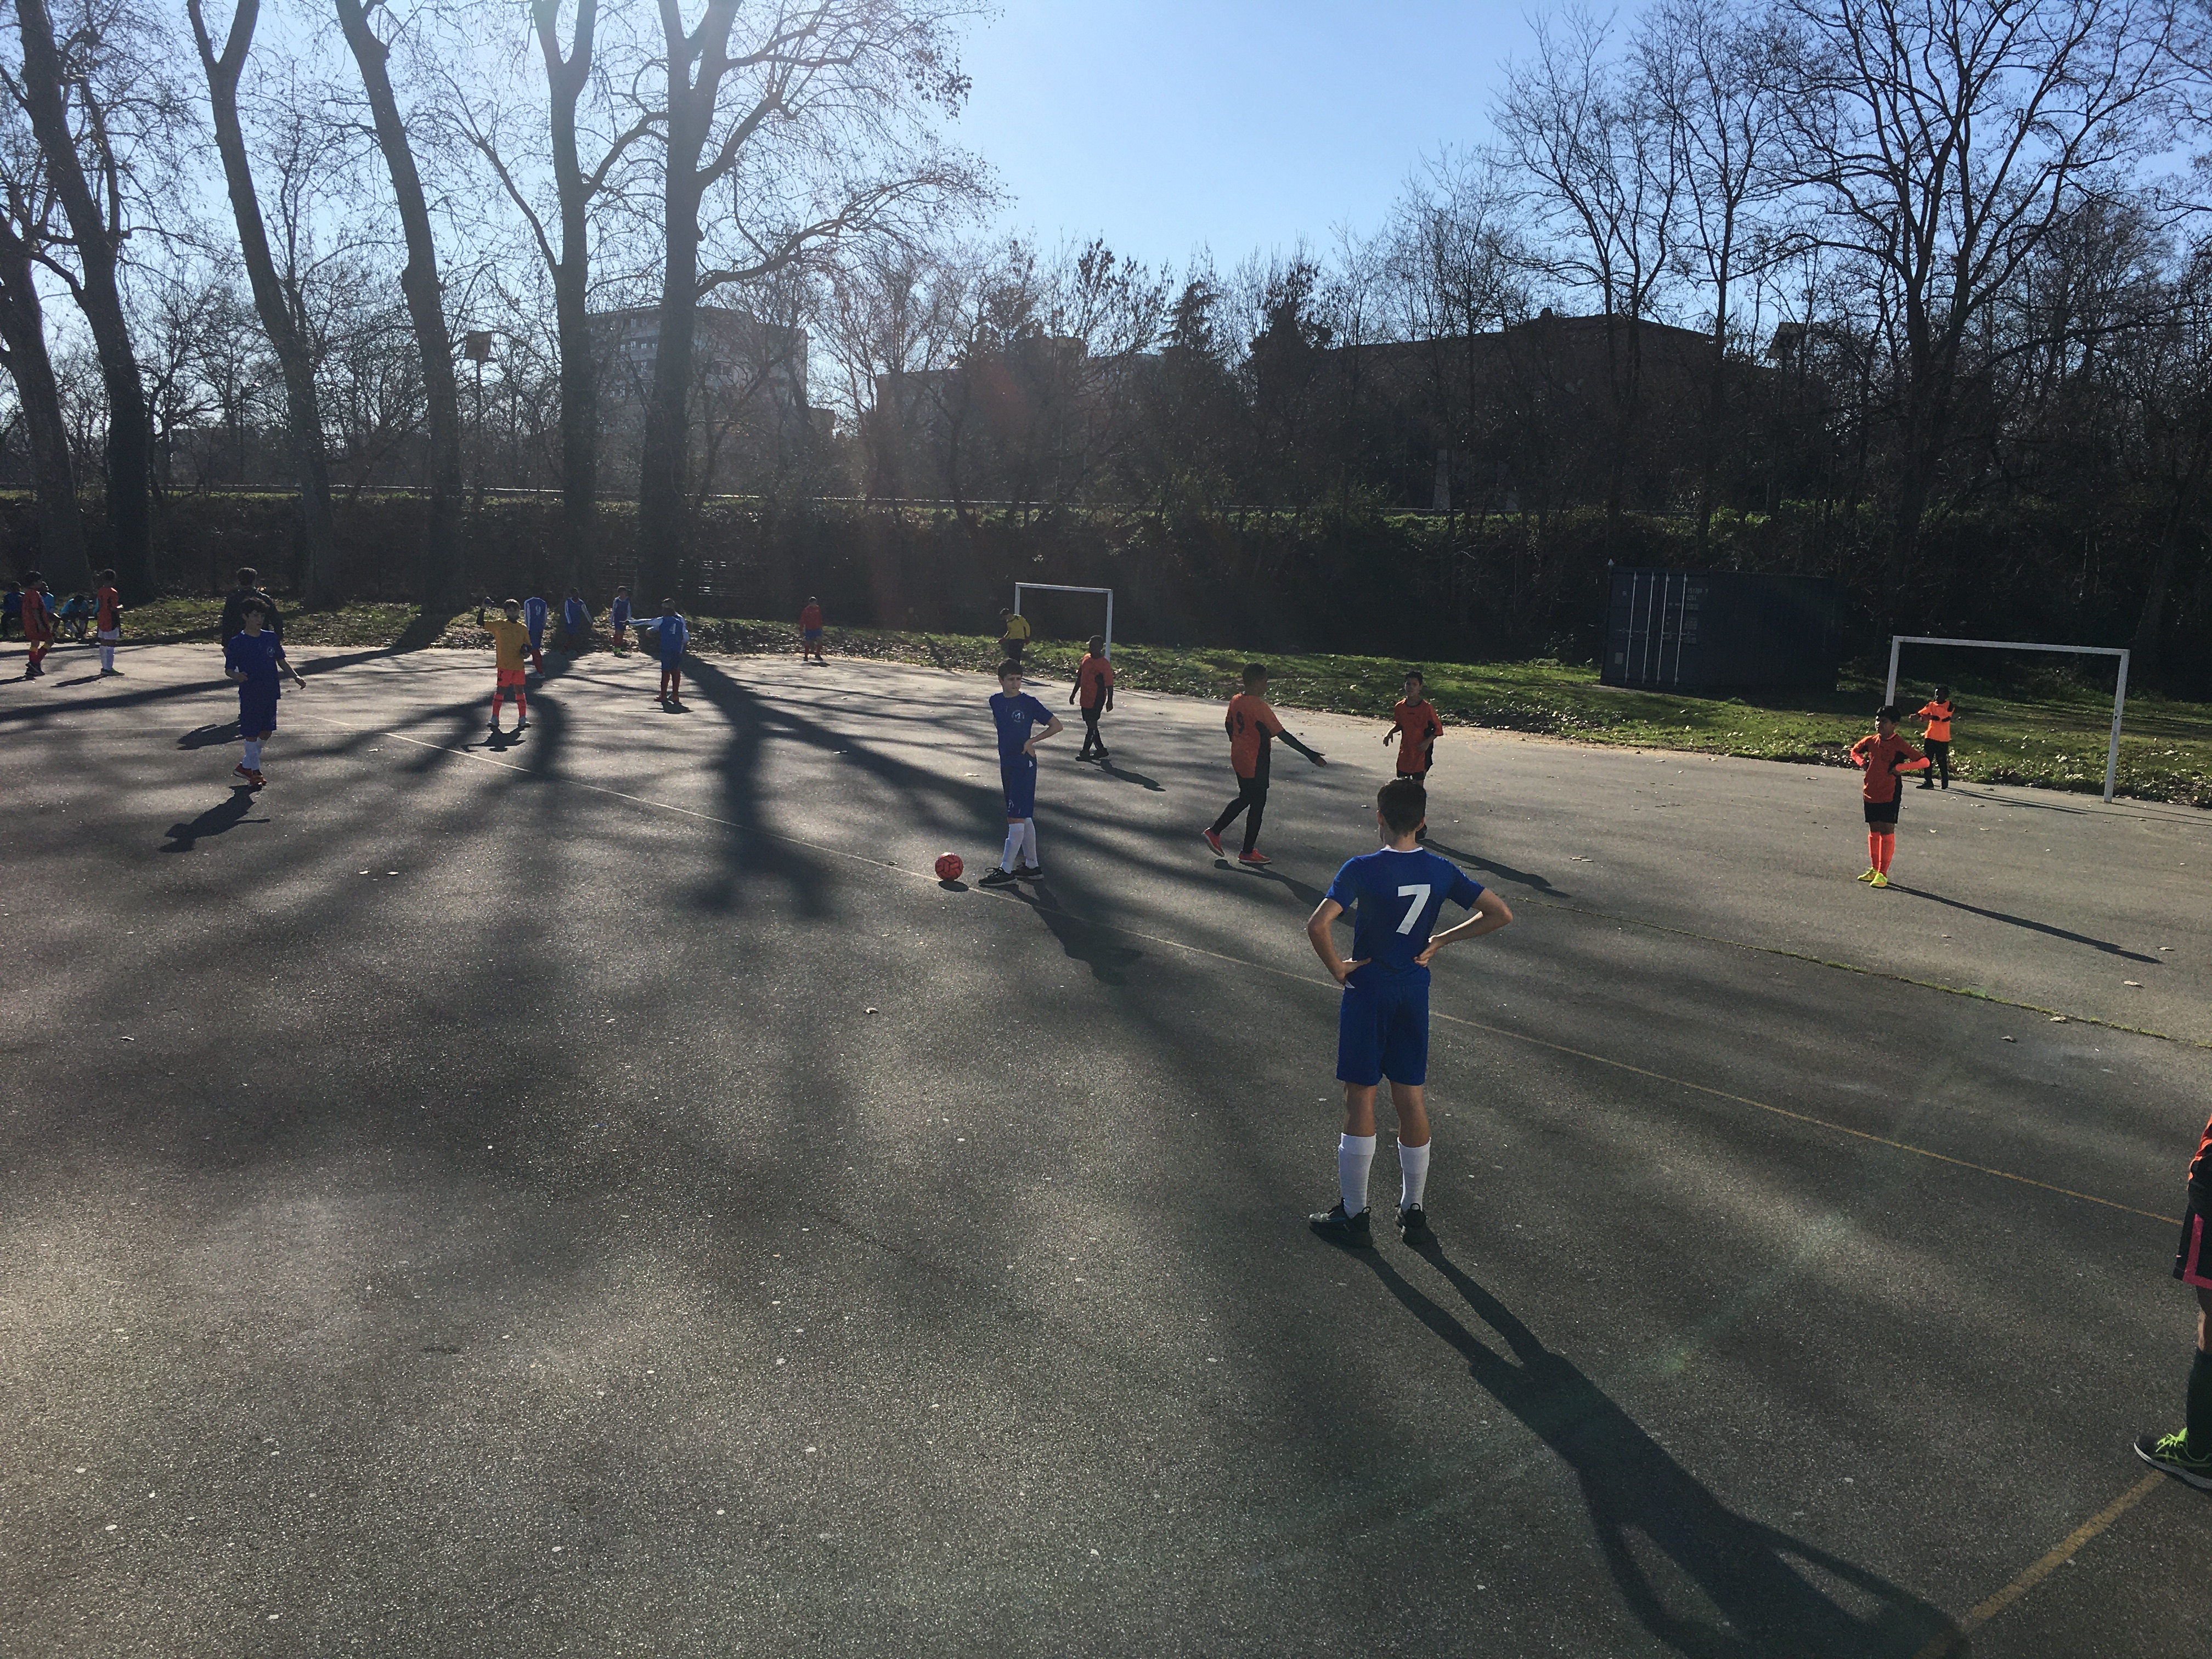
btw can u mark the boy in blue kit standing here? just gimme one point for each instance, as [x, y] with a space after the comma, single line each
[254, 658]
[1023, 723]
[534, 612]
[675, 633]
[1382, 1025]
[576, 619]
[618, 621]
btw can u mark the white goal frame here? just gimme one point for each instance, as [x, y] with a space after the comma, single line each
[1021, 588]
[2119, 693]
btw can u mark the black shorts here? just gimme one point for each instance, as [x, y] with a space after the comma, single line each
[1884, 812]
[1936, 749]
[2192, 1262]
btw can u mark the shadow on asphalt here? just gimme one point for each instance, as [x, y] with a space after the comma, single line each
[226, 815]
[1635, 1491]
[1492, 867]
[2105, 945]
[209, 737]
[1305, 893]
[1096, 947]
[1126, 777]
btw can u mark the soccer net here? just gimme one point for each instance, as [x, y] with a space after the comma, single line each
[1897, 641]
[1021, 588]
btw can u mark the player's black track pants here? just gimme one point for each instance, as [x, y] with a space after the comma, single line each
[1092, 743]
[1252, 801]
[1938, 751]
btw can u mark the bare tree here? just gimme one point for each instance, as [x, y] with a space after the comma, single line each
[419, 282]
[85, 68]
[24, 229]
[807, 113]
[1947, 138]
[272, 301]
[1609, 183]
[1714, 77]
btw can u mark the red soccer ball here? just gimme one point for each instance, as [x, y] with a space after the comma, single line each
[949, 866]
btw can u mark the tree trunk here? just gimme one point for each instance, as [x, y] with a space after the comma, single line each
[2150, 622]
[62, 557]
[130, 431]
[419, 282]
[663, 494]
[302, 403]
[580, 387]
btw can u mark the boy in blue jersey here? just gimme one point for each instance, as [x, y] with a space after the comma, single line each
[675, 633]
[618, 621]
[254, 658]
[1382, 1026]
[576, 619]
[1023, 723]
[534, 612]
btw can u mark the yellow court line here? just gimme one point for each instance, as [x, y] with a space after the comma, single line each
[1308, 979]
[1948, 1642]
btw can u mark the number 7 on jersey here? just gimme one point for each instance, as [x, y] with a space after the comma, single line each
[1419, 895]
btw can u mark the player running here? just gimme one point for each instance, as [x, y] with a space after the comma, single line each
[1939, 712]
[1251, 726]
[1382, 1024]
[1094, 688]
[254, 658]
[2186, 1454]
[1417, 725]
[1884, 756]
[509, 639]
[1023, 723]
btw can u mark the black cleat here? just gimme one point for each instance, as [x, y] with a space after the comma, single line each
[1413, 1228]
[997, 878]
[1352, 1232]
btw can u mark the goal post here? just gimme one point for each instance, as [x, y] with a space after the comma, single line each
[1021, 588]
[2119, 692]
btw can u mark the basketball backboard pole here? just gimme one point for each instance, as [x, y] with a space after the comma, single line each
[1060, 588]
[2119, 694]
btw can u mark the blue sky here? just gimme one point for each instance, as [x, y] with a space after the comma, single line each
[1228, 123]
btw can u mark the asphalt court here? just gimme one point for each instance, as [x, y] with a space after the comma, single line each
[600, 1193]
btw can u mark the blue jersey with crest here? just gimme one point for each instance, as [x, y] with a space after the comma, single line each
[1017, 717]
[1394, 898]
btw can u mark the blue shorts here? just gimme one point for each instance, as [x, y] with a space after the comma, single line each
[1382, 1029]
[813, 633]
[1019, 777]
[673, 659]
[257, 710]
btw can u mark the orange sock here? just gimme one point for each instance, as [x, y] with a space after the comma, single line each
[521, 706]
[1885, 850]
[1874, 851]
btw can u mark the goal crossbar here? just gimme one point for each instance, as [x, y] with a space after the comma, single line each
[2119, 691]
[1021, 588]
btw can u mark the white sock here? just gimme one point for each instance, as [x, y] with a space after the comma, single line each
[1012, 855]
[252, 755]
[1028, 842]
[1412, 1174]
[106, 654]
[1354, 1153]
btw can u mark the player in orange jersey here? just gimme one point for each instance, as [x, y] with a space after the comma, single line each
[1252, 726]
[1938, 711]
[2187, 1454]
[1884, 756]
[1416, 725]
[1094, 688]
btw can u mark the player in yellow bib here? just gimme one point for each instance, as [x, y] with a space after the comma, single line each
[509, 640]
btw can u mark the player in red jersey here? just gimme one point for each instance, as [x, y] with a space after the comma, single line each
[2186, 1454]
[810, 633]
[1884, 756]
[1416, 725]
[1094, 688]
[107, 620]
[1250, 725]
[38, 624]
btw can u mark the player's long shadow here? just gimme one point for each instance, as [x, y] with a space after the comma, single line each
[1491, 866]
[1632, 1486]
[1126, 777]
[1097, 948]
[1305, 894]
[209, 737]
[226, 815]
[2105, 945]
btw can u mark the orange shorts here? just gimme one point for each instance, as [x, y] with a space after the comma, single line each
[509, 677]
